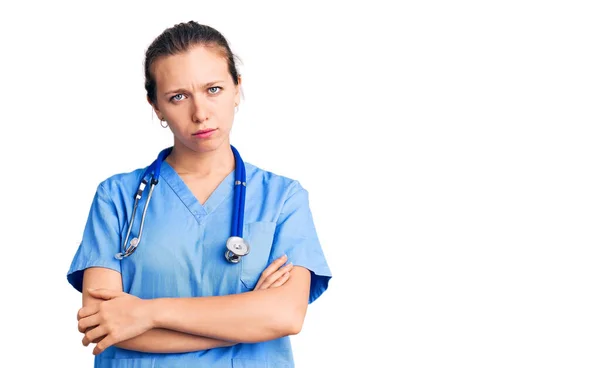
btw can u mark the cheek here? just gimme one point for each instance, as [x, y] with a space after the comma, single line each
[178, 114]
[225, 109]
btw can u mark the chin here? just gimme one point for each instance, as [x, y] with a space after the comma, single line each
[206, 145]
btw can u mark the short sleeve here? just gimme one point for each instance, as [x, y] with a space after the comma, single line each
[101, 239]
[296, 236]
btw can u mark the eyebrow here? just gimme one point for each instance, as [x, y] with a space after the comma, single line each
[206, 85]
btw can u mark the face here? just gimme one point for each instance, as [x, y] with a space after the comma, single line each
[196, 95]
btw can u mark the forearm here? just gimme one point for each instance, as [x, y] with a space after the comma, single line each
[155, 340]
[255, 316]
[248, 317]
[166, 341]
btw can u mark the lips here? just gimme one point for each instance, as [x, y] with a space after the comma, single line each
[204, 131]
[204, 134]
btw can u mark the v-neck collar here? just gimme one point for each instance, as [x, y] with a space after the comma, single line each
[199, 211]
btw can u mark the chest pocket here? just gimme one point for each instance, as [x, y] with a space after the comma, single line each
[260, 238]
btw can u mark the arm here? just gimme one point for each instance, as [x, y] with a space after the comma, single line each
[165, 341]
[153, 341]
[249, 317]
[264, 314]
[259, 315]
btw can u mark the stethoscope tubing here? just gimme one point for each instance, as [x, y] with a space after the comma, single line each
[239, 200]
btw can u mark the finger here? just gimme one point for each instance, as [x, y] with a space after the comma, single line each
[94, 335]
[105, 294]
[275, 276]
[86, 342]
[88, 322]
[281, 280]
[106, 342]
[267, 280]
[88, 311]
[270, 269]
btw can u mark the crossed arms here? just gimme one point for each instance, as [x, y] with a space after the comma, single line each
[275, 308]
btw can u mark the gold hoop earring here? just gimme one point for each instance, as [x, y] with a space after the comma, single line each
[165, 125]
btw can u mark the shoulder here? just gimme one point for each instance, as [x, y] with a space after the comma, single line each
[273, 196]
[121, 184]
[258, 178]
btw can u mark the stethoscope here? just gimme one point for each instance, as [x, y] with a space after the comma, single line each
[237, 247]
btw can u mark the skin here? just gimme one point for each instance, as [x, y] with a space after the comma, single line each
[159, 340]
[189, 99]
[192, 98]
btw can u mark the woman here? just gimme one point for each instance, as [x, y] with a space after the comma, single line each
[170, 293]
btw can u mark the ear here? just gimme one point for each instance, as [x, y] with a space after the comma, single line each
[238, 90]
[156, 110]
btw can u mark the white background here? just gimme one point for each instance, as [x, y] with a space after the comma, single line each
[451, 151]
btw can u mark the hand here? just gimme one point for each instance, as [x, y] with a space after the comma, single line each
[274, 275]
[119, 317]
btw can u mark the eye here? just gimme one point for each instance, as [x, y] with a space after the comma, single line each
[214, 90]
[177, 97]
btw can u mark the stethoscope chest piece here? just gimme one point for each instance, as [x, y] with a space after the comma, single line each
[236, 248]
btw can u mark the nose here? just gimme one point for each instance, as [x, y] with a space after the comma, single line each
[200, 109]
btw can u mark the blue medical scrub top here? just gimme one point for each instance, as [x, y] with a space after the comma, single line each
[182, 253]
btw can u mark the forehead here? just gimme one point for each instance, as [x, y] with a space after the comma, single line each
[198, 65]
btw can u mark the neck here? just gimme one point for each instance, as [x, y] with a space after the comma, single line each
[201, 164]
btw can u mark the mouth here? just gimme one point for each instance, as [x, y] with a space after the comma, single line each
[204, 133]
